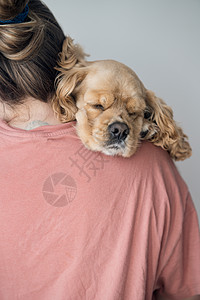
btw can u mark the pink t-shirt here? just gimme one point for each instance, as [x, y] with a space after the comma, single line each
[79, 225]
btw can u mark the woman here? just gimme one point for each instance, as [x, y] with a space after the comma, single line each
[76, 224]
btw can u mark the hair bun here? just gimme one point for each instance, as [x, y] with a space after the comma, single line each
[20, 41]
[9, 9]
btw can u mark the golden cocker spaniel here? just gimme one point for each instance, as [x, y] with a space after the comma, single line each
[113, 109]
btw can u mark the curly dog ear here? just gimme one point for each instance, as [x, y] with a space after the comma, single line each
[72, 67]
[167, 135]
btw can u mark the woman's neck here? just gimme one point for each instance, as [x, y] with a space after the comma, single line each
[29, 115]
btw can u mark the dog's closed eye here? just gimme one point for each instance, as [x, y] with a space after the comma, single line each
[135, 113]
[132, 114]
[98, 106]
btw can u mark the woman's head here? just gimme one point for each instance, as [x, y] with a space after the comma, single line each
[28, 51]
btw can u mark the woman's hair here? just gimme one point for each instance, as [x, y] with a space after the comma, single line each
[28, 52]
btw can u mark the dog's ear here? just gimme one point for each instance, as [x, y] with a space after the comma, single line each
[168, 135]
[71, 55]
[72, 68]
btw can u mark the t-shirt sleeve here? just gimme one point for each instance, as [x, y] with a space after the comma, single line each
[179, 275]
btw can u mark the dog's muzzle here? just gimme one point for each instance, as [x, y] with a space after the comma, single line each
[118, 132]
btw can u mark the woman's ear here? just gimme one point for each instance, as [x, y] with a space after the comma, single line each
[168, 135]
[73, 70]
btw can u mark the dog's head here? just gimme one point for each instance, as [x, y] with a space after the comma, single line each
[113, 109]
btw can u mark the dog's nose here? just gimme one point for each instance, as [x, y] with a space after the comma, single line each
[118, 130]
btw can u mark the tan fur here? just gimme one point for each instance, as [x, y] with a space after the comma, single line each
[83, 86]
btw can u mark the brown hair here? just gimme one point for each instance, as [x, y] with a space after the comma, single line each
[28, 52]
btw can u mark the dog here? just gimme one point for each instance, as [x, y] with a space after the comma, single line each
[113, 109]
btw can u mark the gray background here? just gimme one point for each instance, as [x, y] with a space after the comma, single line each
[160, 41]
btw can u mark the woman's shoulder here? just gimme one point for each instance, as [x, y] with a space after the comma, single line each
[151, 164]
[148, 151]
[148, 156]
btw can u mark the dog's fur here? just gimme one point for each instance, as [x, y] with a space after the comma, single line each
[113, 109]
